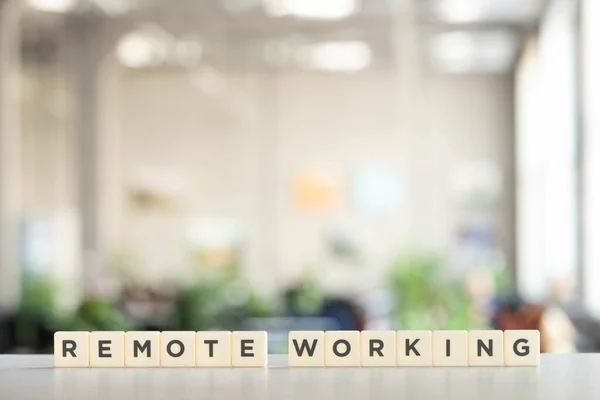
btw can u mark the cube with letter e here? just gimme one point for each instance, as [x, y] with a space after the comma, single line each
[249, 349]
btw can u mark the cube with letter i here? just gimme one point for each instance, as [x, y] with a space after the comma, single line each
[450, 349]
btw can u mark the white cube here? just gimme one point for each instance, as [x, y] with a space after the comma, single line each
[522, 348]
[306, 349]
[378, 348]
[249, 349]
[342, 348]
[213, 349]
[71, 349]
[414, 349]
[177, 349]
[450, 349]
[107, 349]
[142, 349]
[486, 348]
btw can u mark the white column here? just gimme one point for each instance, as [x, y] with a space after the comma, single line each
[416, 153]
[95, 76]
[83, 68]
[10, 152]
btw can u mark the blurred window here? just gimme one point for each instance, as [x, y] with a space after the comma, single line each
[591, 67]
[546, 159]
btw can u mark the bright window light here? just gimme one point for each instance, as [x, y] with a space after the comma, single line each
[591, 67]
[546, 160]
[477, 52]
[140, 49]
[472, 11]
[462, 11]
[335, 56]
[56, 6]
[311, 9]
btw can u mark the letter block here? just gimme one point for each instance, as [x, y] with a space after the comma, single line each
[249, 349]
[522, 348]
[306, 349]
[486, 348]
[414, 349]
[213, 349]
[177, 349]
[342, 348]
[378, 348]
[71, 349]
[142, 349]
[450, 349]
[107, 349]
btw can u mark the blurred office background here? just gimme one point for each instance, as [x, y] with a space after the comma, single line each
[299, 164]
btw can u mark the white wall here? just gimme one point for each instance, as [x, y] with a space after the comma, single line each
[238, 148]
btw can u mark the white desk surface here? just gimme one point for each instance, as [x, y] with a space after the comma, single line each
[559, 377]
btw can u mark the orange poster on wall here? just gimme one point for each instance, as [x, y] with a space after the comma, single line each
[317, 190]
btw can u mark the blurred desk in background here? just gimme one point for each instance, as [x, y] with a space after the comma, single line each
[559, 377]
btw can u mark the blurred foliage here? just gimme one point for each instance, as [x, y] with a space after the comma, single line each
[220, 299]
[38, 311]
[100, 315]
[425, 298]
[306, 297]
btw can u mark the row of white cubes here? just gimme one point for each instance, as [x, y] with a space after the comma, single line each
[306, 348]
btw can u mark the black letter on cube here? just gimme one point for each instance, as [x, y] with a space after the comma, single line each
[210, 344]
[335, 348]
[69, 346]
[137, 347]
[246, 349]
[104, 348]
[525, 351]
[181, 348]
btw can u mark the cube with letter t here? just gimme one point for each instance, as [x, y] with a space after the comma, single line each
[213, 349]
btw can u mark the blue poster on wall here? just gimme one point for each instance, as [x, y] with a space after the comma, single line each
[376, 189]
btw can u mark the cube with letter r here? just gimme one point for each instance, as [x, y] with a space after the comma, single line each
[71, 349]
